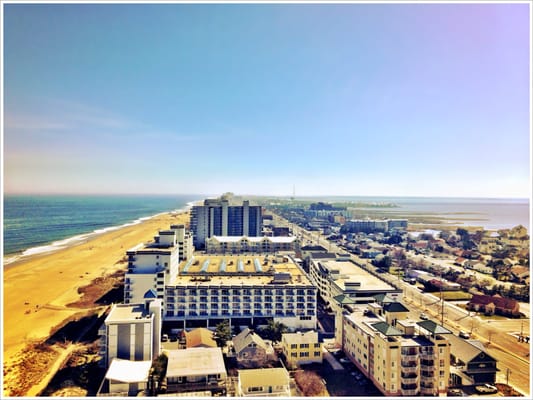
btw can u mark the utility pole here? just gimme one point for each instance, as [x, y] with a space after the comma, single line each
[507, 376]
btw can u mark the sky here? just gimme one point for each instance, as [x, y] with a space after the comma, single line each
[267, 99]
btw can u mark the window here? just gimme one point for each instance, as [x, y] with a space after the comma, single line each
[304, 354]
[294, 346]
[317, 354]
[255, 389]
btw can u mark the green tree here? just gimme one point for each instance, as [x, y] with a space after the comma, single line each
[222, 333]
[274, 330]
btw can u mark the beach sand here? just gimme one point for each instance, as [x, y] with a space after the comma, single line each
[38, 289]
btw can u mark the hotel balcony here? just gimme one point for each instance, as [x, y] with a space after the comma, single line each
[411, 369]
[409, 392]
[410, 381]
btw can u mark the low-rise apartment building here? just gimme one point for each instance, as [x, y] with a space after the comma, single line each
[301, 348]
[401, 357]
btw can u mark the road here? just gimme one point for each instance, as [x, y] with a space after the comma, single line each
[498, 335]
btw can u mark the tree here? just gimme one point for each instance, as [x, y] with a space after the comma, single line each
[222, 333]
[274, 330]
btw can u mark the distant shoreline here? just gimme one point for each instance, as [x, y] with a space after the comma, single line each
[14, 259]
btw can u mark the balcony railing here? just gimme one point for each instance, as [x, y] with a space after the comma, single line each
[410, 381]
[411, 357]
[409, 369]
[409, 392]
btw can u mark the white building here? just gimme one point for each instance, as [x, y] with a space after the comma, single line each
[153, 265]
[246, 290]
[132, 331]
[244, 244]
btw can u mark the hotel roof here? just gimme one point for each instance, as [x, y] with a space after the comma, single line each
[258, 239]
[238, 270]
[195, 362]
[127, 313]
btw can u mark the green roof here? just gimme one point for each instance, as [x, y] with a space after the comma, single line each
[384, 298]
[395, 307]
[433, 327]
[343, 299]
[386, 329]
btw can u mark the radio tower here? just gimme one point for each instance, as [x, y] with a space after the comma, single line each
[293, 192]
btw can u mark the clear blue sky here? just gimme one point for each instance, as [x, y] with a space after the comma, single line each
[357, 99]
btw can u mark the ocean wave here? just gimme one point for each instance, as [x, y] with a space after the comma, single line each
[71, 241]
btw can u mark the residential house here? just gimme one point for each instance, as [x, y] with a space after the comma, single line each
[470, 363]
[196, 370]
[301, 348]
[494, 305]
[269, 382]
[251, 351]
[483, 268]
[200, 337]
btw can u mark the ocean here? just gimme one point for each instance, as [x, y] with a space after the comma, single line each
[43, 223]
[38, 224]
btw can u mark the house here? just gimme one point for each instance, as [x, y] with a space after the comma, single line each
[269, 382]
[494, 305]
[195, 370]
[200, 337]
[520, 273]
[250, 350]
[483, 268]
[125, 378]
[470, 363]
[301, 348]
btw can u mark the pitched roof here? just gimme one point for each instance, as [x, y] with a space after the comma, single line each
[395, 307]
[150, 294]
[433, 327]
[386, 329]
[500, 302]
[247, 336]
[200, 337]
[384, 298]
[467, 350]
[343, 299]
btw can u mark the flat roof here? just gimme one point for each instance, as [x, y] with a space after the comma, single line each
[128, 371]
[264, 376]
[273, 239]
[127, 312]
[195, 362]
[349, 272]
[224, 270]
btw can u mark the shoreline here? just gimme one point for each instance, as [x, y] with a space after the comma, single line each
[40, 290]
[13, 259]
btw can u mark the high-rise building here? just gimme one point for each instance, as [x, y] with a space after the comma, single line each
[218, 218]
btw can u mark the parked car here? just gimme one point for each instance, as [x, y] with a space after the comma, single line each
[456, 393]
[464, 335]
[423, 316]
[486, 389]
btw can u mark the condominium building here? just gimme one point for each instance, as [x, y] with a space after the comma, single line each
[246, 290]
[301, 348]
[244, 244]
[132, 331]
[153, 265]
[218, 218]
[401, 357]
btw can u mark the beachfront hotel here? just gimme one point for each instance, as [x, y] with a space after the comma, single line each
[400, 356]
[247, 290]
[153, 265]
[218, 218]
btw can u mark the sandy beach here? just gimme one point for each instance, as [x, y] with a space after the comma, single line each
[37, 290]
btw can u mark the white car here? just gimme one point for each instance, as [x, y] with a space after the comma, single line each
[486, 389]
[424, 316]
